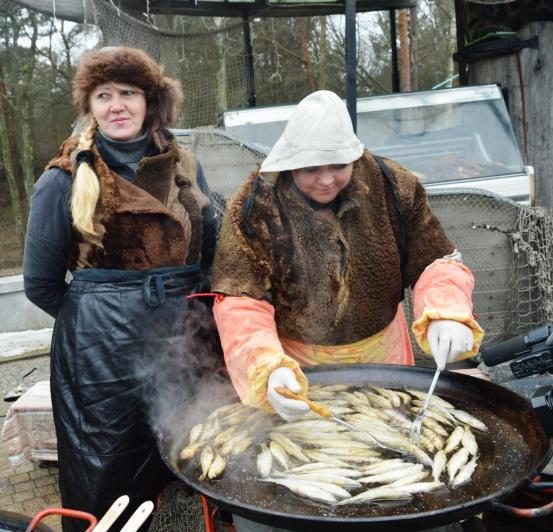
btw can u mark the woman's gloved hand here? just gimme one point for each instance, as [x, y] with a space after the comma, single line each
[288, 409]
[448, 339]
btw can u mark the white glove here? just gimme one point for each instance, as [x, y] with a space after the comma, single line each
[288, 409]
[448, 340]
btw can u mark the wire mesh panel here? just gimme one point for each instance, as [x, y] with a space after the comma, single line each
[226, 161]
[505, 245]
[481, 226]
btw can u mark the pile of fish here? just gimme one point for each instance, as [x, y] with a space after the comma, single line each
[324, 461]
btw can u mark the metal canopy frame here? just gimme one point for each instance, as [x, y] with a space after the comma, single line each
[267, 8]
[291, 8]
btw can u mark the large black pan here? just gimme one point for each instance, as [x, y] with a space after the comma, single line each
[512, 452]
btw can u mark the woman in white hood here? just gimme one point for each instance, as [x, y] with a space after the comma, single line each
[314, 255]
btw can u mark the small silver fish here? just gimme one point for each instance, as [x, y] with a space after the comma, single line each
[319, 476]
[420, 487]
[409, 479]
[468, 419]
[304, 489]
[319, 456]
[217, 467]
[195, 433]
[454, 439]
[190, 450]
[435, 400]
[438, 467]
[456, 462]
[279, 454]
[469, 442]
[337, 491]
[391, 476]
[385, 465]
[393, 397]
[465, 474]
[289, 446]
[205, 461]
[264, 462]
[377, 494]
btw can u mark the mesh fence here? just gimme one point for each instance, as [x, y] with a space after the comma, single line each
[226, 161]
[506, 246]
[210, 63]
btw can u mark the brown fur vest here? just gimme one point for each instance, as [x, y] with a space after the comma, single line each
[154, 222]
[331, 281]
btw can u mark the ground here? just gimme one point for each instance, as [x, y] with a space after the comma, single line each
[32, 487]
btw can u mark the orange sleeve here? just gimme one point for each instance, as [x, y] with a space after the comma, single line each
[251, 346]
[444, 292]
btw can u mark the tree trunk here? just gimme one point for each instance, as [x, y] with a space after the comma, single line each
[25, 114]
[323, 54]
[528, 78]
[304, 34]
[404, 53]
[413, 47]
[5, 143]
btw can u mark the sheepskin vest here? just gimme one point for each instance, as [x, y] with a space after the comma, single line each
[330, 281]
[154, 222]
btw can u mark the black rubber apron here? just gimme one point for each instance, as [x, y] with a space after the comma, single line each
[112, 325]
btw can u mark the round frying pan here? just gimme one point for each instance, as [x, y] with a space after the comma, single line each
[511, 453]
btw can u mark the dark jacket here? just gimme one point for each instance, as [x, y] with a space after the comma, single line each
[163, 182]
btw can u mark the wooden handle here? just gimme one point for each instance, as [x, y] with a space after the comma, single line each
[319, 409]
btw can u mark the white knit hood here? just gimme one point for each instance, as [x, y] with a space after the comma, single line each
[319, 132]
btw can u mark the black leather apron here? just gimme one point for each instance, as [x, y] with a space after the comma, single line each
[111, 329]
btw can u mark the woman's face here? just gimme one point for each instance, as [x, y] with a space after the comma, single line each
[323, 183]
[119, 110]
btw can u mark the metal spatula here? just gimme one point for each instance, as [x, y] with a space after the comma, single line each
[325, 412]
[416, 427]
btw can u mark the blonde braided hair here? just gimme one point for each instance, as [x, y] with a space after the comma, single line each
[86, 186]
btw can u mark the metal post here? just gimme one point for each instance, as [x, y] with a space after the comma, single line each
[248, 58]
[393, 42]
[351, 62]
[460, 27]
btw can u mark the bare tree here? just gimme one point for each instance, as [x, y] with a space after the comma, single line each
[34, 79]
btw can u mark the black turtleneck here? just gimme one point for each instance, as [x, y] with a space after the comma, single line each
[124, 156]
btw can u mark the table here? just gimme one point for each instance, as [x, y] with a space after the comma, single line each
[28, 432]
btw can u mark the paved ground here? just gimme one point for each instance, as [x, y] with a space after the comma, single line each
[32, 487]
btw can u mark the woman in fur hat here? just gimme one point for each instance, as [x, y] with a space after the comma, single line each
[314, 256]
[127, 211]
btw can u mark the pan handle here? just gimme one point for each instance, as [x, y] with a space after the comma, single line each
[529, 513]
[542, 482]
[66, 513]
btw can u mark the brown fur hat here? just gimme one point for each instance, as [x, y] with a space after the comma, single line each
[133, 67]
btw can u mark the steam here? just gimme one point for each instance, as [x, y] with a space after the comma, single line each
[184, 374]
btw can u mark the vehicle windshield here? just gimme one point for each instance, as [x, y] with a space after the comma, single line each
[443, 137]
